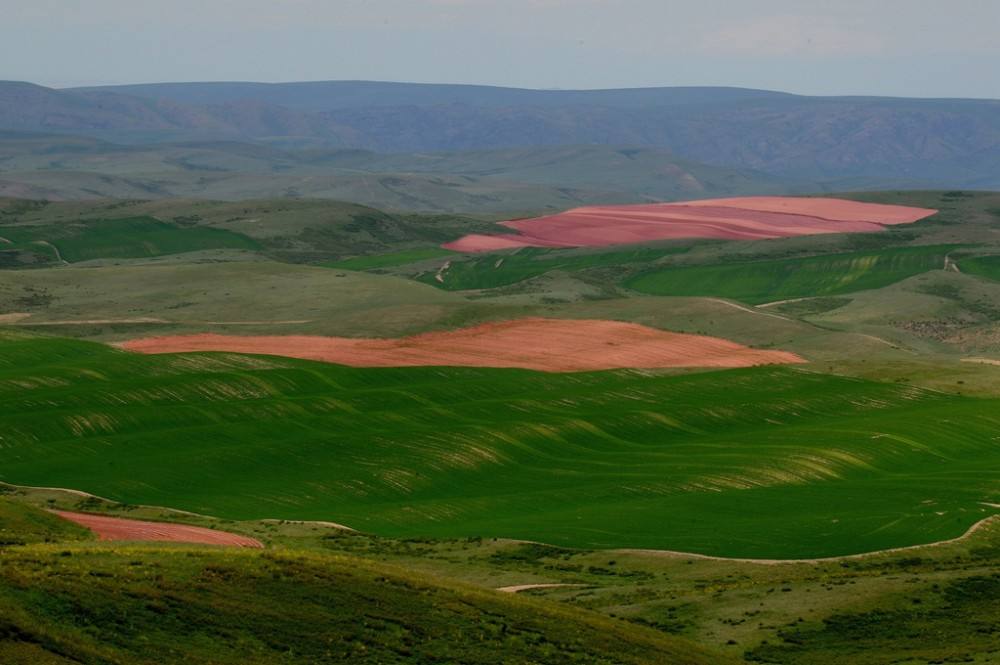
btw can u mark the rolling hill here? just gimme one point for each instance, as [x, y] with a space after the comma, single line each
[65, 167]
[118, 605]
[824, 465]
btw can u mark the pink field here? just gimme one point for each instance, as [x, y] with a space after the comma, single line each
[549, 345]
[117, 528]
[747, 218]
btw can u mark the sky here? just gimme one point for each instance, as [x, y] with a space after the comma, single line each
[914, 48]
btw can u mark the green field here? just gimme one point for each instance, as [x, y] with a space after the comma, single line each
[982, 266]
[493, 270]
[767, 281]
[391, 259]
[121, 239]
[764, 462]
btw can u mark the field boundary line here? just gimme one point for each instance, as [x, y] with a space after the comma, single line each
[828, 559]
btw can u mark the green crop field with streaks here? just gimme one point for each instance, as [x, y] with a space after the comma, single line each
[765, 281]
[493, 270]
[762, 462]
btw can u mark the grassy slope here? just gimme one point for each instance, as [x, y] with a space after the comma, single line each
[982, 266]
[766, 281]
[493, 270]
[823, 465]
[286, 229]
[864, 609]
[196, 294]
[123, 238]
[390, 260]
[144, 605]
[21, 524]
[530, 179]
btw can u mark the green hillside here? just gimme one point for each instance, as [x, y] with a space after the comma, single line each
[764, 462]
[390, 260]
[21, 524]
[983, 266]
[765, 281]
[119, 239]
[493, 270]
[141, 605]
[299, 231]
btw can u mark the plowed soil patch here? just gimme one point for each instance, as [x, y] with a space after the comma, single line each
[747, 218]
[116, 528]
[550, 345]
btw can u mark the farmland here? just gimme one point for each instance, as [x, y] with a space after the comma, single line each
[618, 479]
[492, 271]
[121, 238]
[765, 281]
[983, 266]
[824, 465]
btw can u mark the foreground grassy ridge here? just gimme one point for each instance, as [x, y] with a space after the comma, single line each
[930, 604]
[174, 605]
[762, 462]
[493, 270]
[766, 281]
[119, 238]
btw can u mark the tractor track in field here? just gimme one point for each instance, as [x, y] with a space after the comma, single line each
[517, 588]
[58, 255]
[748, 310]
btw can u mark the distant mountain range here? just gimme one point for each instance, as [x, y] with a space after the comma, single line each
[789, 140]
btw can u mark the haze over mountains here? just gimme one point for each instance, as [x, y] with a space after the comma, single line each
[530, 148]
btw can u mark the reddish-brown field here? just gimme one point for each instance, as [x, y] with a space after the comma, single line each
[549, 345]
[117, 528]
[747, 218]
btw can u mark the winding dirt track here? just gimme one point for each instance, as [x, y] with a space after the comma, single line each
[117, 528]
[549, 345]
[518, 588]
[746, 218]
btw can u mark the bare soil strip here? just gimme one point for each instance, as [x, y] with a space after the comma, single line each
[775, 303]
[517, 588]
[117, 528]
[747, 218]
[95, 322]
[548, 345]
[323, 523]
[981, 361]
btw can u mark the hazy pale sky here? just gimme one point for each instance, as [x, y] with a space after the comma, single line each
[886, 47]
